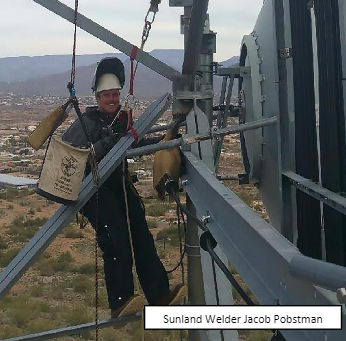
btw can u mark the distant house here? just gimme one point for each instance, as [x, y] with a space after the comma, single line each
[31, 128]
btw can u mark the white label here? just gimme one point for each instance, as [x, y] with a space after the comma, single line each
[242, 317]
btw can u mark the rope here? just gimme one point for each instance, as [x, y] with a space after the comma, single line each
[73, 68]
[96, 269]
[93, 165]
[153, 8]
[135, 280]
[96, 179]
[130, 99]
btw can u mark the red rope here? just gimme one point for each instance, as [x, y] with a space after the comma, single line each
[132, 76]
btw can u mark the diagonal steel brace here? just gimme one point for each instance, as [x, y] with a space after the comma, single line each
[108, 37]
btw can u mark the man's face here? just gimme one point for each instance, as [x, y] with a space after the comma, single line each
[108, 101]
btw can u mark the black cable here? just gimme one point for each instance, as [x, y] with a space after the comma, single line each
[171, 188]
[229, 275]
[210, 250]
[181, 247]
[184, 250]
[217, 293]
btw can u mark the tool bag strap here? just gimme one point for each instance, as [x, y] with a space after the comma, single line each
[81, 120]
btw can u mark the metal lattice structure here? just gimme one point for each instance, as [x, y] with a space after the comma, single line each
[294, 154]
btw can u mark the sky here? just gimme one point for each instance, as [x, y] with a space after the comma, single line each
[28, 29]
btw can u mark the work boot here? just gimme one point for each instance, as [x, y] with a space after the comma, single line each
[174, 297]
[132, 306]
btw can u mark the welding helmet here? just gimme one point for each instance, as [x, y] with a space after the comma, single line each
[102, 77]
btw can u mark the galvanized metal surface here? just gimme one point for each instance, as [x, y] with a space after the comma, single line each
[108, 37]
[324, 195]
[286, 132]
[64, 214]
[249, 242]
[194, 39]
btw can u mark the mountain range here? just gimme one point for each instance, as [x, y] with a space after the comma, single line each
[49, 75]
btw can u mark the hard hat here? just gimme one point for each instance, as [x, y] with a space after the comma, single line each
[109, 65]
[107, 81]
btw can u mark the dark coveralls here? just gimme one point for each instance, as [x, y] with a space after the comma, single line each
[112, 232]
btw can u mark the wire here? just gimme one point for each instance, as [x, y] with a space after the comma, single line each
[210, 250]
[182, 254]
[73, 68]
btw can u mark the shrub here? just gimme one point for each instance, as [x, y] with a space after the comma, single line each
[63, 262]
[36, 291]
[82, 284]
[11, 193]
[23, 229]
[3, 244]
[9, 330]
[20, 312]
[57, 293]
[45, 267]
[86, 269]
[103, 300]
[39, 325]
[157, 210]
[2, 213]
[152, 224]
[71, 233]
[6, 257]
[170, 235]
[10, 207]
[31, 211]
[77, 315]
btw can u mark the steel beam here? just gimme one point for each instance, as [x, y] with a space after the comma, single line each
[320, 193]
[74, 330]
[194, 37]
[64, 214]
[187, 139]
[109, 38]
[249, 242]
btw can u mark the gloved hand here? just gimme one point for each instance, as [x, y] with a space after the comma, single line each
[103, 146]
[109, 141]
[167, 161]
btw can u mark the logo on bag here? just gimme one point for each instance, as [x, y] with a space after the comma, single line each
[69, 165]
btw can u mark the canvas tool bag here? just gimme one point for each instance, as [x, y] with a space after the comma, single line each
[62, 172]
[64, 166]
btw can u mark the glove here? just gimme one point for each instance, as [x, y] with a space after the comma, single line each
[167, 161]
[103, 146]
[109, 141]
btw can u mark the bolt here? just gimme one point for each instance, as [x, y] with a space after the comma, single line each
[205, 218]
[341, 295]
